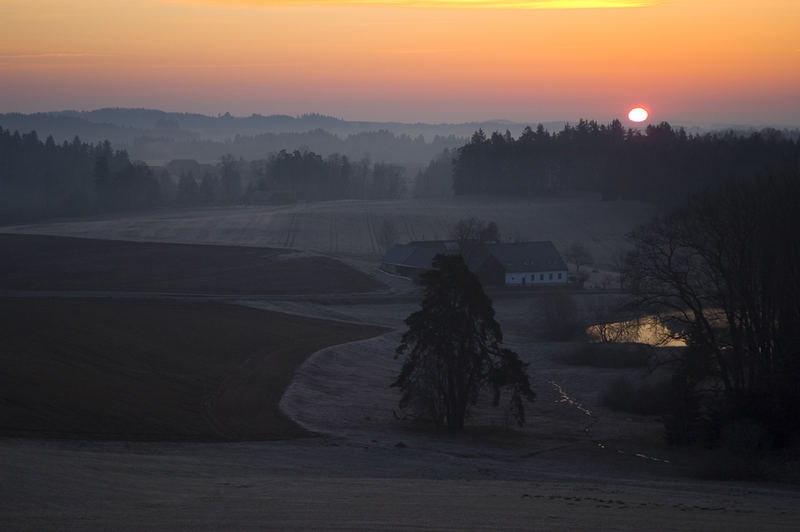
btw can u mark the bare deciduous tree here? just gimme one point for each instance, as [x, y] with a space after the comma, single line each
[578, 255]
[387, 235]
[472, 230]
[724, 271]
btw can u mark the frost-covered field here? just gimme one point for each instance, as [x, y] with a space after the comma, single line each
[354, 228]
[575, 466]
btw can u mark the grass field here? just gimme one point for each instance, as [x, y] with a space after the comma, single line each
[133, 369]
[352, 228]
[152, 370]
[33, 262]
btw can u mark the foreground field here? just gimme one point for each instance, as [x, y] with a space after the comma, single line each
[159, 369]
[354, 228]
[33, 262]
[332, 484]
[152, 370]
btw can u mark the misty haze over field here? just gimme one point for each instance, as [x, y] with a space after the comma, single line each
[157, 137]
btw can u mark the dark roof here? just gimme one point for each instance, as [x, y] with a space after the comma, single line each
[449, 246]
[476, 256]
[528, 256]
[418, 255]
[397, 254]
[514, 257]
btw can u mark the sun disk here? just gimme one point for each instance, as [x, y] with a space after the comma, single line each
[637, 114]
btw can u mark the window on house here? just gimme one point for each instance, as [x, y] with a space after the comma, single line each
[551, 276]
[541, 277]
[559, 275]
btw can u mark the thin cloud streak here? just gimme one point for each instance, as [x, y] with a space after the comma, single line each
[426, 51]
[50, 55]
[459, 4]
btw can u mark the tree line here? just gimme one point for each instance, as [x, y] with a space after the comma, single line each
[166, 144]
[43, 179]
[658, 164]
[286, 177]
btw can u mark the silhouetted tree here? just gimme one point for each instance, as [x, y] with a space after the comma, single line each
[452, 350]
[490, 233]
[578, 255]
[437, 178]
[209, 187]
[188, 192]
[43, 179]
[386, 181]
[724, 271]
[231, 178]
[387, 235]
[624, 261]
[560, 318]
[468, 231]
[660, 164]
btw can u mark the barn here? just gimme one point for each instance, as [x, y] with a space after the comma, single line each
[496, 264]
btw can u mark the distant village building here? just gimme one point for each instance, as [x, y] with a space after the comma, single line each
[495, 264]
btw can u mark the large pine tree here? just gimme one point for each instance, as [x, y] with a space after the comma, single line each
[452, 350]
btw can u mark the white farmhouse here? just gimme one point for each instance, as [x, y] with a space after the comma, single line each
[530, 263]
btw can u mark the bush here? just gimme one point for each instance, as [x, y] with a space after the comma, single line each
[609, 356]
[561, 320]
[649, 399]
[744, 444]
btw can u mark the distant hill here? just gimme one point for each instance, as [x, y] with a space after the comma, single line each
[158, 136]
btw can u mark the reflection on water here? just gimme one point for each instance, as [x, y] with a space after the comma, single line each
[648, 330]
[566, 399]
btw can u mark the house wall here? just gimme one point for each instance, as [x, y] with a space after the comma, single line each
[536, 278]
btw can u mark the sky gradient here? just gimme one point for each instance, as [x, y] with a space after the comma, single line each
[688, 61]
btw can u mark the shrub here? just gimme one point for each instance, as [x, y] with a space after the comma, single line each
[742, 455]
[561, 320]
[648, 399]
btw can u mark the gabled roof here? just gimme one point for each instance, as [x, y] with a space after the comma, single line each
[418, 255]
[397, 254]
[514, 257]
[528, 256]
[476, 256]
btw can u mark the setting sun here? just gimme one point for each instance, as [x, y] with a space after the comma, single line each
[638, 114]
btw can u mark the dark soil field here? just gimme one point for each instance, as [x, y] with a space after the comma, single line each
[105, 398]
[31, 262]
[152, 370]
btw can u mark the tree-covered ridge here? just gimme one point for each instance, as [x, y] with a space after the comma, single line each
[658, 164]
[42, 178]
[166, 144]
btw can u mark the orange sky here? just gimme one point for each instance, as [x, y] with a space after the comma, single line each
[689, 61]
